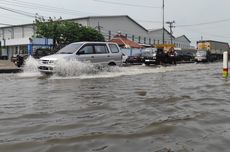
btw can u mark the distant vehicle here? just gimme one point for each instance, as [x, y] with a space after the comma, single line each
[138, 58]
[203, 56]
[135, 59]
[214, 49]
[182, 56]
[151, 58]
[164, 54]
[158, 56]
[102, 53]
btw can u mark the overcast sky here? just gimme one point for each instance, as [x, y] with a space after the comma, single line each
[209, 19]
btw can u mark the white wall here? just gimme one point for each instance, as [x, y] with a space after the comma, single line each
[119, 24]
[113, 24]
[182, 42]
[158, 36]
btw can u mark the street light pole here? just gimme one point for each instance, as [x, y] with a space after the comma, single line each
[163, 22]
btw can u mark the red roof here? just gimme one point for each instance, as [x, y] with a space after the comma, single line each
[122, 41]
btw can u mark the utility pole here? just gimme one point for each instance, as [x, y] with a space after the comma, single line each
[171, 26]
[163, 22]
[98, 27]
[201, 38]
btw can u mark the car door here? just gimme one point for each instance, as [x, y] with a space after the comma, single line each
[102, 55]
[86, 53]
[115, 53]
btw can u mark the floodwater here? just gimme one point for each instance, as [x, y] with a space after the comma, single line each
[183, 108]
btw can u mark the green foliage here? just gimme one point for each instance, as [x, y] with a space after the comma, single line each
[65, 32]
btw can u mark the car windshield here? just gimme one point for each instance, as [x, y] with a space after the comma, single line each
[70, 49]
[146, 54]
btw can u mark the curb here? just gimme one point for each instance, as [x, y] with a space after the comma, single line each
[10, 70]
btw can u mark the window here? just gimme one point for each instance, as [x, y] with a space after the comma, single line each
[100, 49]
[113, 48]
[69, 49]
[88, 49]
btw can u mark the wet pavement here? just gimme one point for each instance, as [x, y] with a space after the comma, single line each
[183, 108]
[6, 66]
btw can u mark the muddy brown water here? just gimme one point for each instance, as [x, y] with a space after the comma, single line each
[183, 108]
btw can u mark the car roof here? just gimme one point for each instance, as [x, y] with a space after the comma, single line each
[93, 42]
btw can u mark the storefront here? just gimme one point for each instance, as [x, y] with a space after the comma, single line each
[13, 47]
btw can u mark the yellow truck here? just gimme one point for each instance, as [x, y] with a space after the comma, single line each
[209, 50]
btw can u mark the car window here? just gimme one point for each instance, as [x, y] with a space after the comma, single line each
[88, 49]
[101, 49]
[146, 54]
[69, 49]
[113, 48]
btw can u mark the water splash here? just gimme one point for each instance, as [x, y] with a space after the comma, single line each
[71, 68]
[30, 68]
[74, 69]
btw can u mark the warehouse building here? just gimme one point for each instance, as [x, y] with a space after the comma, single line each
[182, 42]
[107, 25]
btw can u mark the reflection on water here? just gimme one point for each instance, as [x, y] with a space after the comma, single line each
[181, 108]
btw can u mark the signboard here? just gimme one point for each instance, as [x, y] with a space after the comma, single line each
[203, 46]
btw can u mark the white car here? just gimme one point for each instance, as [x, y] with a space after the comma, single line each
[103, 53]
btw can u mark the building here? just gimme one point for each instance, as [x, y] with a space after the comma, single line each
[183, 42]
[109, 26]
[157, 36]
[15, 46]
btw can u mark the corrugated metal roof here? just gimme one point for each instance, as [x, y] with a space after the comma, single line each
[122, 41]
[184, 37]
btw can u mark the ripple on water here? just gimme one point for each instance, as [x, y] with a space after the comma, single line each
[179, 108]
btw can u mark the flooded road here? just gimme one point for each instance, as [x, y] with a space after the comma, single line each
[183, 108]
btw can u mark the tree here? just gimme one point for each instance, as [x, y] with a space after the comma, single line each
[90, 34]
[65, 32]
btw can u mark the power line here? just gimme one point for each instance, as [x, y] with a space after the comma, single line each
[205, 23]
[5, 24]
[125, 4]
[205, 33]
[46, 8]
[149, 21]
[17, 12]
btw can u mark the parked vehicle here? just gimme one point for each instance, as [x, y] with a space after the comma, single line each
[134, 59]
[182, 56]
[102, 53]
[214, 50]
[151, 58]
[138, 58]
[159, 57]
[203, 56]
